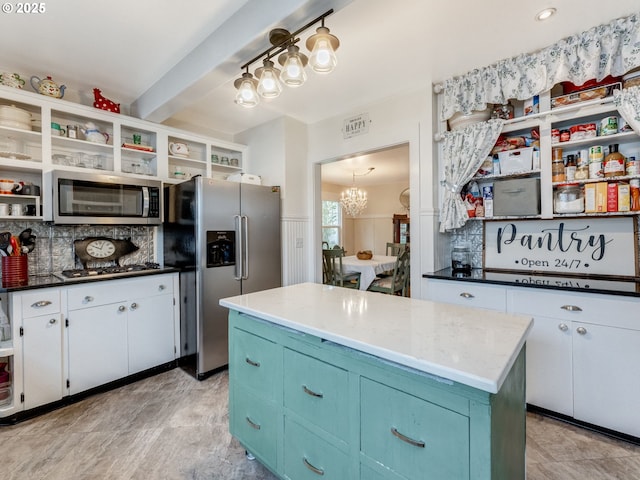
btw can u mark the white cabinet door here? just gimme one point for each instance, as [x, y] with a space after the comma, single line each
[97, 346]
[150, 332]
[42, 360]
[549, 365]
[606, 376]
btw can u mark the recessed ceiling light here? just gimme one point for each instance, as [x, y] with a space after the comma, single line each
[544, 14]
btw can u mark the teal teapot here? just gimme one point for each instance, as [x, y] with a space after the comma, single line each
[48, 87]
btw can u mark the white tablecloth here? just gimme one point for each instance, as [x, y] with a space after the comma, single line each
[368, 268]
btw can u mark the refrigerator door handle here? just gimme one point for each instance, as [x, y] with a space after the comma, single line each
[237, 272]
[245, 248]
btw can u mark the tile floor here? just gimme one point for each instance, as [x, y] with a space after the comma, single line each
[173, 427]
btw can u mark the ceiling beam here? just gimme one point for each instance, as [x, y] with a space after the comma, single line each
[218, 58]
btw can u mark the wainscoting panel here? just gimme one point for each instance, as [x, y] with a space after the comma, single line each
[295, 245]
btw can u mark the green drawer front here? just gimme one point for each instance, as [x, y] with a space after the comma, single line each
[307, 457]
[445, 434]
[255, 363]
[367, 473]
[254, 423]
[317, 391]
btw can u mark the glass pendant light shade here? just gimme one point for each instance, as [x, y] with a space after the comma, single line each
[247, 95]
[323, 46]
[293, 63]
[268, 85]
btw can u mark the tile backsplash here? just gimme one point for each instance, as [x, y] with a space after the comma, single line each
[54, 243]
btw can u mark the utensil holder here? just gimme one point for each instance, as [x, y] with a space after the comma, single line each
[15, 271]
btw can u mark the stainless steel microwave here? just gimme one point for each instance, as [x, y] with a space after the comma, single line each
[94, 198]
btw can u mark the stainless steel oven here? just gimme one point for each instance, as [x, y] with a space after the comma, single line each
[94, 198]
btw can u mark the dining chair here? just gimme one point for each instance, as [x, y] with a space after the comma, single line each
[332, 270]
[398, 281]
[395, 249]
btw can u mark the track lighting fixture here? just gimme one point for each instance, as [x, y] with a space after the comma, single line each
[322, 46]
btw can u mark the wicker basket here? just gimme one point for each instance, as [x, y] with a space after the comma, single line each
[365, 255]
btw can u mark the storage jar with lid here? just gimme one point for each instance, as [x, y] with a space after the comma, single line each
[461, 258]
[613, 162]
[568, 198]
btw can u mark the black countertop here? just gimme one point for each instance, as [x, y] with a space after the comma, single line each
[610, 286]
[46, 281]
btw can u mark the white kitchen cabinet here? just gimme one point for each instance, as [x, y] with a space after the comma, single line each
[606, 377]
[118, 328]
[42, 361]
[469, 294]
[97, 346]
[582, 355]
[26, 153]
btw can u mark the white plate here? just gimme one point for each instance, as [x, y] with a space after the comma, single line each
[16, 155]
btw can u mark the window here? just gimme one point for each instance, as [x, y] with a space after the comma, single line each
[331, 223]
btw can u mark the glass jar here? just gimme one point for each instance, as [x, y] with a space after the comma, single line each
[461, 258]
[568, 198]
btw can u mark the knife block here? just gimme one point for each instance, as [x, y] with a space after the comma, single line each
[15, 271]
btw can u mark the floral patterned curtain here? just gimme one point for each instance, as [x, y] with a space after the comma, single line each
[628, 103]
[464, 152]
[611, 49]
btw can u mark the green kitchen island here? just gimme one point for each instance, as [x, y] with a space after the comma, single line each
[334, 383]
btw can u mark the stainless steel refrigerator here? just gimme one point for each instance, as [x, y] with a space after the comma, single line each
[225, 239]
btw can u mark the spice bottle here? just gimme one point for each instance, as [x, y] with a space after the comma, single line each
[613, 162]
[635, 194]
[557, 166]
[570, 168]
[582, 165]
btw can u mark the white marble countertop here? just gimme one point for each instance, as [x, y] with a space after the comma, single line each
[471, 346]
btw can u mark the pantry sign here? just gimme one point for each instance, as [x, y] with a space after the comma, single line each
[592, 246]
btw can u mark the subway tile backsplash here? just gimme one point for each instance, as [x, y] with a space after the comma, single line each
[54, 243]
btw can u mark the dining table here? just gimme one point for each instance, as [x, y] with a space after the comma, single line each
[368, 269]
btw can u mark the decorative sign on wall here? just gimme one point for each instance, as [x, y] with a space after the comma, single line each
[357, 125]
[592, 246]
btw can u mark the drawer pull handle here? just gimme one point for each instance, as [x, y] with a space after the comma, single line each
[311, 392]
[404, 438]
[253, 424]
[571, 308]
[40, 304]
[581, 330]
[251, 362]
[88, 299]
[311, 467]
[467, 295]
[563, 327]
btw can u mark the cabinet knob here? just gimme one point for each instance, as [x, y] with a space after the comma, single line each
[161, 287]
[581, 330]
[134, 305]
[571, 308]
[563, 327]
[122, 308]
[41, 304]
[52, 321]
[467, 295]
[88, 299]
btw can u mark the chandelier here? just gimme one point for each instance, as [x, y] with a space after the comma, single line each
[354, 200]
[268, 79]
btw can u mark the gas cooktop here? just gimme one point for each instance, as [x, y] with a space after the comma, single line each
[106, 272]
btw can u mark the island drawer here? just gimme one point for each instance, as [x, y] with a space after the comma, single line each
[308, 457]
[413, 437]
[255, 421]
[613, 311]
[256, 364]
[317, 392]
[468, 294]
[40, 302]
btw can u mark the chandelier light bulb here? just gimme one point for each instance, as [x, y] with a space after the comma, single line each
[323, 46]
[247, 95]
[269, 86]
[293, 63]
